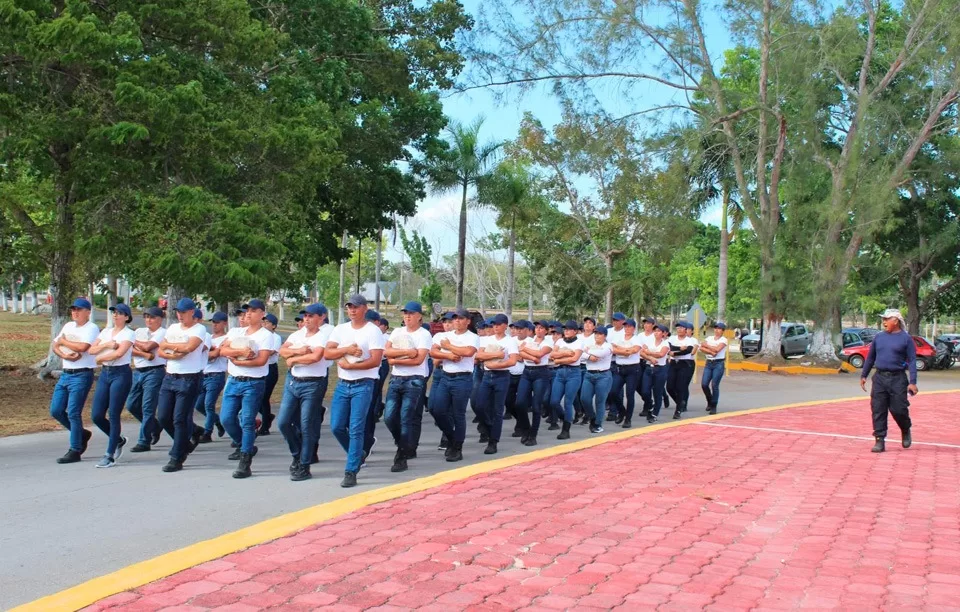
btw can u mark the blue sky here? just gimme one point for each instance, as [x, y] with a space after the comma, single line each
[437, 214]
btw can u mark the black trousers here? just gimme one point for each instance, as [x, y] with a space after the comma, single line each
[678, 381]
[511, 402]
[889, 393]
[266, 413]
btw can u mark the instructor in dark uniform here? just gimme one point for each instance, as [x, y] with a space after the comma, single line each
[893, 353]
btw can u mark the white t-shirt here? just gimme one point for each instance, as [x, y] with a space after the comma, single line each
[688, 341]
[508, 344]
[547, 343]
[713, 343]
[277, 343]
[144, 335]
[634, 359]
[386, 338]
[584, 341]
[126, 335]
[467, 338]
[220, 363]
[193, 362]
[367, 338]
[419, 339]
[654, 347]
[614, 336]
[84, 333]
[262, 340]
[563, 345]
[603, 351]
[300, 338]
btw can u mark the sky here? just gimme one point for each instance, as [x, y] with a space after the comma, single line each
[437, 214]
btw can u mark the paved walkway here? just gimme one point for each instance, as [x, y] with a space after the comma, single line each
[775, 510]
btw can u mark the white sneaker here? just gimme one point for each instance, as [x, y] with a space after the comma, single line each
[106, 462]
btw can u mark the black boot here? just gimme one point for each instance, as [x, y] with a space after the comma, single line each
[206, 438]
[72, 456]
[553, 426]
[399, 462]
[565, 432]
[612, 417]
[676, 414]
[530, 441]
[879, 447]
[456, 452]
[627, 424]
[491, 448]
[302, 473]
[87, 434]
[243, 469]
[907, 440]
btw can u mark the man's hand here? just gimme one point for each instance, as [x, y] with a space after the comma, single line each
[912, 389]
[863, 384]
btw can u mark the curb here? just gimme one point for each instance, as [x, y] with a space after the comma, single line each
[748, 366]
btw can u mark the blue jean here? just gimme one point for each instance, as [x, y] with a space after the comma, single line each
[477, 379]
[66, 405]
[646, 388]
[593, 394]
[348, 417]
[403, 397]
[710, 383]
[238, 411]
[566, 385]
[142, 400]
[178, 395]
[448, 404]
[299, 413]
[376, 403]
[491, 400]
[655, 381]
[625, 384]
[210, 388]
[533, 393]
[113, 387]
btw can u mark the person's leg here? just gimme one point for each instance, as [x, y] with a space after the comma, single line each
[646, 389]
[510, 401]
[460, 391]
[311, 396]
[483, 405]
[441, 407]
[119, 389]
[501, 383]
[183, 415]
[586, 397]
[265, 408]
[540, 397]
[571, 383]
[899, 402]
[523, 399]
[215, 385]
[322, 387]
[360, 404]
[879, 405]
[631, 382]
[557, 389]
[705, 384]
[135, 402]
[152, 382]
[340, 415]
[392, 410]
[659, 388]
[230, 411]
[615, 398]
[602, 389]
[166, 398]
[101, 402]
[58, 404]
[411, 393]
[673, 382]
[715, 377]
[289, 420]
[373, 412]
[250, 403]
[418, 416]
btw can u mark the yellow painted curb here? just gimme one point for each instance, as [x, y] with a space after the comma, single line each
[148, 571]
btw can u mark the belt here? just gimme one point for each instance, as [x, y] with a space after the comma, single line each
[355, 382]
[406, 377]
[891, 372]
[189, 375]
[116, 367]
[248, 378]
[628, 365]
[568, 366]
[306, 379]
[598, 371]
[148, 368]
[485, 371]
[206, 374]
[456, 374]
[77, 370]
[717, 360]
[535, 367]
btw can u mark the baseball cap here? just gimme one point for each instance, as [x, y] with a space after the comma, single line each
[153, 311]
[891, 313]
[372, 315]
[684, 324]
[571, 324]
[591, 319]
[619, 316]
[256, 304]
[601, 329]
[384, 321]
[298, 318]
[185, 305]
[543, 323]
[272, 318]
[630, 322]
[356, 300]
[314, 309]
[412, 307]
[448, 315]
[218, 317]
[662, 328]
[499, 319]
[81, 304]
[649, 320]
[122, 309]
[719, 325]
[463, 313]
[198, 314]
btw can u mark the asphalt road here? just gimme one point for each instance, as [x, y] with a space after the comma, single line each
[66, 524]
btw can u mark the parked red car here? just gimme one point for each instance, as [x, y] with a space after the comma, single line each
[926, 353]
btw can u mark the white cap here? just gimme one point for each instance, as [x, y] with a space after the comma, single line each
[893, 313]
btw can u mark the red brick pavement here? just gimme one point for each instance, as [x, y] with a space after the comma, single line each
[689, 517]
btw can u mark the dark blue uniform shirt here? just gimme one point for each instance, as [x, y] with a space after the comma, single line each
[893, 352]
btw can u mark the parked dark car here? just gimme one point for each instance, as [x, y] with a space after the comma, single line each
[795, 340]
[857, 336]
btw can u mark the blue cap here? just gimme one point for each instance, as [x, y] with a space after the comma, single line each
[528, 324]
[571, 324]
[198, 314]
[556, 329]
[591, 319]
[372, 315]
[153, 311]
[447, 316]
[425, 326]
[601, 329]
[630, 322]
[298, 318]
[619, 316]
[219, 317]
[256, 304]
[384, 321]
[684, 324]
[412, 307]
[649, 320]
[719, 325]
[356, 300]
[122, 309]
[82, 304]
[185, 305]
[314, 309]
[463, 313]
[272, 318]
[499, 319]
[662, 328]
[543, 323]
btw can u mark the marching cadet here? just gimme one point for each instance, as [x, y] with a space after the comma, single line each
[683, 349]
[248, 350]
[270, 322]
[447, 321]
[627, 355]
[376, 400]
[655, 377]
[615, 334]
[498, 353]
[646, 341]
[715, 349]
[72, 345]
[566, 355]
[183, 348]
[304, 388]
[597, 380]
[533, 393]
[454, 353]
[149, 369]
[357, 347]
[406, 352]
[585, 337]
[520, 332]
[112, 350]
[214, 379]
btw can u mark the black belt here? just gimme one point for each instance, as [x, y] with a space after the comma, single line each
[205, 374]
[406, 377]
[891, 372]
[568, 366]
[77, 370]
[190, 375]
[109, 367]
[248, 378]
[456, 374]
[485, 371]
[716, 360]
[534, 367]
[306, 379]
[599, 371]
[628, 365]
[148, 368]
[356, 382]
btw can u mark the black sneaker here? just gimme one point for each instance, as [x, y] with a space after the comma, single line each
[879, 446]
[302, 473]
[455, 453]
[444, 443]
[507, 417]
[220, 430]
[906, 438]
[412, 454]
[155, 436]
[71, 456]
[530, 441]
[206, 438]
[676, 415]
[627, 424]
[399, 464]
[119, 452]
[484, 438]
[173, 466]
[349, 480]
[87, 434]
[140, 448]
[586, 421]
[595, 429]
[651, 419]
[517, 434]
[611, 417]
[711, 411]
[235, 455]
[234, 445]
[645, 413]
[243, 468]
[553, 427]
[295, 465]
[491, 448]
[314, 458]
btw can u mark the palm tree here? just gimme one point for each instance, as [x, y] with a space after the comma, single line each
[511, 190]
[464, 164]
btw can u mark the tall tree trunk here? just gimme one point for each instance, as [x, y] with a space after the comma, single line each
[462, 247]
[511, 262]
[14, 295]
[608, 301]
[3, 300]
[772, 315]
[910, 287]
[343, 281]
[724, 257]
[62, 280]
[174, 293]
[530, 297]
[111, 297]
[376, 271]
